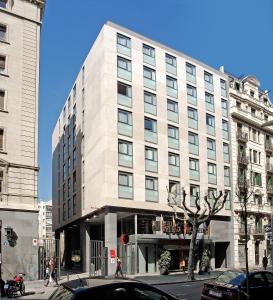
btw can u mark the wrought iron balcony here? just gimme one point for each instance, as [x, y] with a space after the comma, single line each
[269, 167]
[241, 230]
[268, 147]
[242, 136]
[257, 231]
[242, 159]
[269, 188]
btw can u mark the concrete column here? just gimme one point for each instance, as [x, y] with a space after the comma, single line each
[110, 221]
[85, 245]
[136, 246]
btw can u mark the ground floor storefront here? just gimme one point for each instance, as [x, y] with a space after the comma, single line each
[138, 238]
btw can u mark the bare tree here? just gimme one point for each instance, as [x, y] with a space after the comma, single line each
[202, 213]
[243, 193]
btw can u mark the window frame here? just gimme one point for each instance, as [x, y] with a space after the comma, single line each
[154, 128]
[128, 63]
[152, 72]
[151, 50]
[173, 58]
[126, 38]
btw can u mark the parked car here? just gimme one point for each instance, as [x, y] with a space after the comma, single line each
[105, 289]
[231, 285]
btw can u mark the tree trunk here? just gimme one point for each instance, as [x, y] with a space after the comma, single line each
[191, 253]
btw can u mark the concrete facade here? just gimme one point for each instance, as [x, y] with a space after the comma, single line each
[19, 85]
[90, 129]
[252, 152]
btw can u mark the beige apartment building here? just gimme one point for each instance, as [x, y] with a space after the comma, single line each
[140, 117]
[20, 25]
[252, 155]
[45, 220]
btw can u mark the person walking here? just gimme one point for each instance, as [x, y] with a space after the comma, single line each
[265, 262]
[183, 265]
[118, 268]
[52, 271]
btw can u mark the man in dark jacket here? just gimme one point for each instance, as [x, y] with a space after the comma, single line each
[265, 262]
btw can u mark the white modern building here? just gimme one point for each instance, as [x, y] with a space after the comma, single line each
[45, 220]
[140, 117]
[20, 24]
[252, 149]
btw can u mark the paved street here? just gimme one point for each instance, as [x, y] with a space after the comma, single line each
[184, 291]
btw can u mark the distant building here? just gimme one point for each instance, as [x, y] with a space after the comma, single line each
[20, 25]
[140, 117]
[252, 149]
[45, 220]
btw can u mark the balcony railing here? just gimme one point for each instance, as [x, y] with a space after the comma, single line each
[269, 167]
[243, 159]
[242, 136]
[268, 147]
[269, 188]
[241, 230]
[257, 231]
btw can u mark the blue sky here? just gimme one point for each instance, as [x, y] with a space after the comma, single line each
[236, 34]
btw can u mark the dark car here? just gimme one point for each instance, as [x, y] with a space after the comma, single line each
[231, 285]
[103, 289]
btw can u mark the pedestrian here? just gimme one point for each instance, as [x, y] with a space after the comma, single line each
[265, 262]
[183, 265]
[118, 268]
[52, 271]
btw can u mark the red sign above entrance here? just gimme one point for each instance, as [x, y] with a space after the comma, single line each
[112, 253]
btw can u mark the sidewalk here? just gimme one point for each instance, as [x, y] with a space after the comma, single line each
[36, 290]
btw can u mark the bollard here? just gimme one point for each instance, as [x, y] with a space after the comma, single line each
[67, 277]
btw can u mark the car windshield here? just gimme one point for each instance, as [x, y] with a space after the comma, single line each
[231, 277]
[62, 293]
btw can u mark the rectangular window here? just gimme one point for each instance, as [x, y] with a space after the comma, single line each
[193, 143]
[150, 124]
[68, 187]
[223, 88]
[123, 40]
[228, 204]
[170, 64]
[125, 181]
[124, 68]
[1, 181]
[125, 117]
[224, 108]
[227, 176]
[151, 189]
[74, 113]
[148, 51]
[69, 166]
[171, 86]
[74, 136]
[125, 150]
[74, 158]
[210, 122]
[148, 55]
[208, 81]
[172, 110]
[150, 103]
[2, 64]
[149, 78]
[194, 192]
[211, 194]
[2, 100]
[191, 95]
[226, 152]
[190, 72]
[3, 3]
[257, 179]
[192, 118]
[74, 93]
[194, 169]
[124, 94]
[64, 172]
[149, 73]
[209, 98]
[212, 173]
[173, 132]
[211, 149]
[3, 32]
[170, 60]
[172, 106]
[64, 212]
[74, 181]
[74, 205]
[225, 129]
[174, 165]
[150, 159]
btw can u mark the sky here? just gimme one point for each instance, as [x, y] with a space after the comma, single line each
[237, 34]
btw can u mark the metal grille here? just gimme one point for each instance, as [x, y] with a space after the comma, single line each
[98, 259]
[50, 248]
